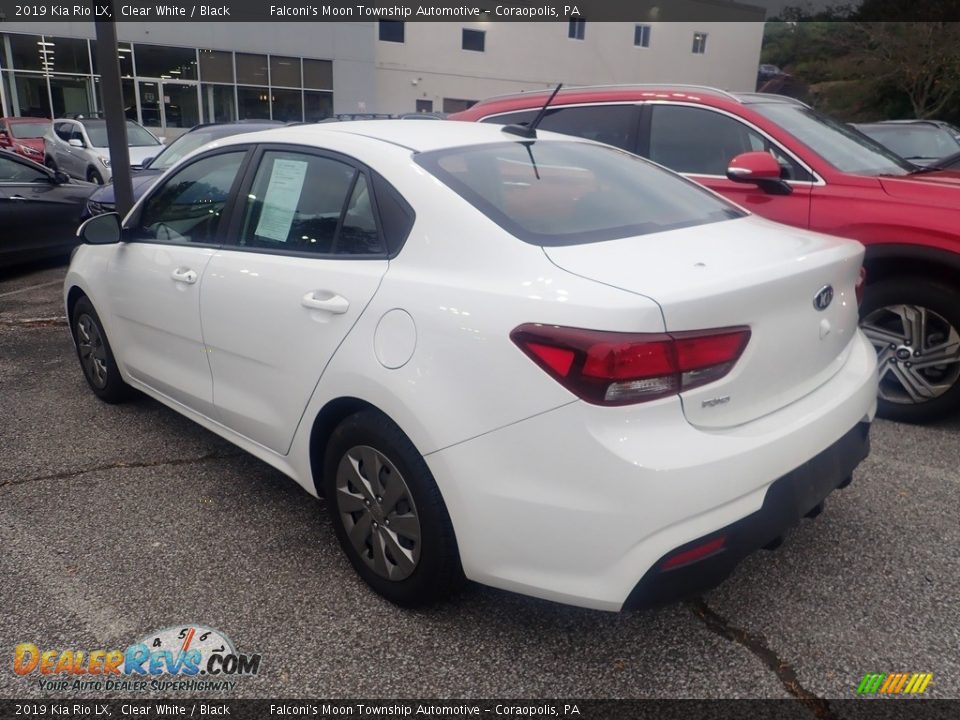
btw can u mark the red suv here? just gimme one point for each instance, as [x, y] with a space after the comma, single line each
[781, 159]
[24, 136]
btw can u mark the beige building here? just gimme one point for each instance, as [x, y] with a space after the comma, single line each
[446, 66]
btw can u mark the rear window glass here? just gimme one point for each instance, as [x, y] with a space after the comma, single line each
[568, 193]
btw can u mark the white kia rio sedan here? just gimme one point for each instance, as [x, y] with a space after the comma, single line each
[543, 364]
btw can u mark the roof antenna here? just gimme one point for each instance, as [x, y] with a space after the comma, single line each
[530, 131]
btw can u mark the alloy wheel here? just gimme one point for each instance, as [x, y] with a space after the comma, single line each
[918, 352]
[378, 513]
[93, 352]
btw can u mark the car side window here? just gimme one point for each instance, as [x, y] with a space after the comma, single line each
[63, 130]
[301, 202]
[188, 206]
[703, 142]
[76, 133]
[611, 124]
[13, 172]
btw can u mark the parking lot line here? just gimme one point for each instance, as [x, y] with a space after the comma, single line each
[32, 287]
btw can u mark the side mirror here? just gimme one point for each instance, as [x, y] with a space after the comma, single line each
[75, 142]
[146, 163]
[759, 168]
[101, 229]
[60, 177]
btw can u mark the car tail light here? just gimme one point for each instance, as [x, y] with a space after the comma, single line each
[698, 552]
[612, 368]
[861, 284]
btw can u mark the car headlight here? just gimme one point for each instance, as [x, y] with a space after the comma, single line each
[97, 208]
[105, 161]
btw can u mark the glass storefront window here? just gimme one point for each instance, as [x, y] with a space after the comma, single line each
[216, 66]
[66, 55]
[149, 104]
[253, 103]
[284, 71]
[218, 103]
[318, 74]
[251, 69]
[287, 105]
[180, 105]
[177, 87]
[24, 52]
[124, 57]
[27, 95]
[317, 105]
[71, 95]
[159, 61]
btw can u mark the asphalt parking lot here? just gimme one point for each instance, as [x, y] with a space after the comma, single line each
[119, 520]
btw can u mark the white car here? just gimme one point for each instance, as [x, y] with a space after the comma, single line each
[80, 148]
[542, 363]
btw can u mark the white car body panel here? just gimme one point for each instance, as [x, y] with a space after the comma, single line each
[548, 495]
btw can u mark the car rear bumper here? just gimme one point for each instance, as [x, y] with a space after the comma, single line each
[581, 503]
[797, 494]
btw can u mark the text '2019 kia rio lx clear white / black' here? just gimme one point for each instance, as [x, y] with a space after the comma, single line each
[539, 363]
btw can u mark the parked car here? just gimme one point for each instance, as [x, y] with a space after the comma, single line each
[951, 163]
[24, 136]
[542, 362]
[39, 210]
[827, 177]
[104, 200]
[79, 147]
[922, 142]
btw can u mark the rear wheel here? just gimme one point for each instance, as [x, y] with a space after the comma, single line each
[388, 513]
[914, 324]
[50, 162]
[96, 358]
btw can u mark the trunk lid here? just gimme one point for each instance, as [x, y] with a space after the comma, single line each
[748, 272]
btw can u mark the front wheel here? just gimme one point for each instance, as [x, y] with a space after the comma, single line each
[387, 512]
[914, 324]
[94, 176]
[96, 358]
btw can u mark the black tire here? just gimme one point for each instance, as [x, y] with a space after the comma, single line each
[942, 306]
[94, 176]
[436, 572]
[50, 162]
[89, 339]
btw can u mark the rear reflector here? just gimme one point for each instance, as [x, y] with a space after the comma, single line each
[698, 552]
[611, 368]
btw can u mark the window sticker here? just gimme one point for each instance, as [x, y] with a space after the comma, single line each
[280, 201]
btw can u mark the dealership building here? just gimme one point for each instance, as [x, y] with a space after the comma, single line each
[177, 74]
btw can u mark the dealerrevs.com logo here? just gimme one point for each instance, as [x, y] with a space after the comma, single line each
[190, 658]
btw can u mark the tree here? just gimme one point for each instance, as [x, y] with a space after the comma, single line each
[920, 59]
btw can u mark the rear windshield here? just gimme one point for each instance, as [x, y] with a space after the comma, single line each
[29, 130]
[568, 193]
[136, 135]
[915, 142]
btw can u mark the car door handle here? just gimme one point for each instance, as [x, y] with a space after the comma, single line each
[184, 275]
[325, 300]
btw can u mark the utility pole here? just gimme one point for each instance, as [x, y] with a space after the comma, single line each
[109, 66]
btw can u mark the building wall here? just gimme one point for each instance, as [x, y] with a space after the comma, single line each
[431, 65]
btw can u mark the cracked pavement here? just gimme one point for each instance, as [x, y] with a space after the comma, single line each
[119, 520]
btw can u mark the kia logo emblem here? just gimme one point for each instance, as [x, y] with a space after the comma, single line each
[823, 298]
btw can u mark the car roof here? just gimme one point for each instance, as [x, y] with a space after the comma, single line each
[627, 93]
[417, 137]
[889, 124]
